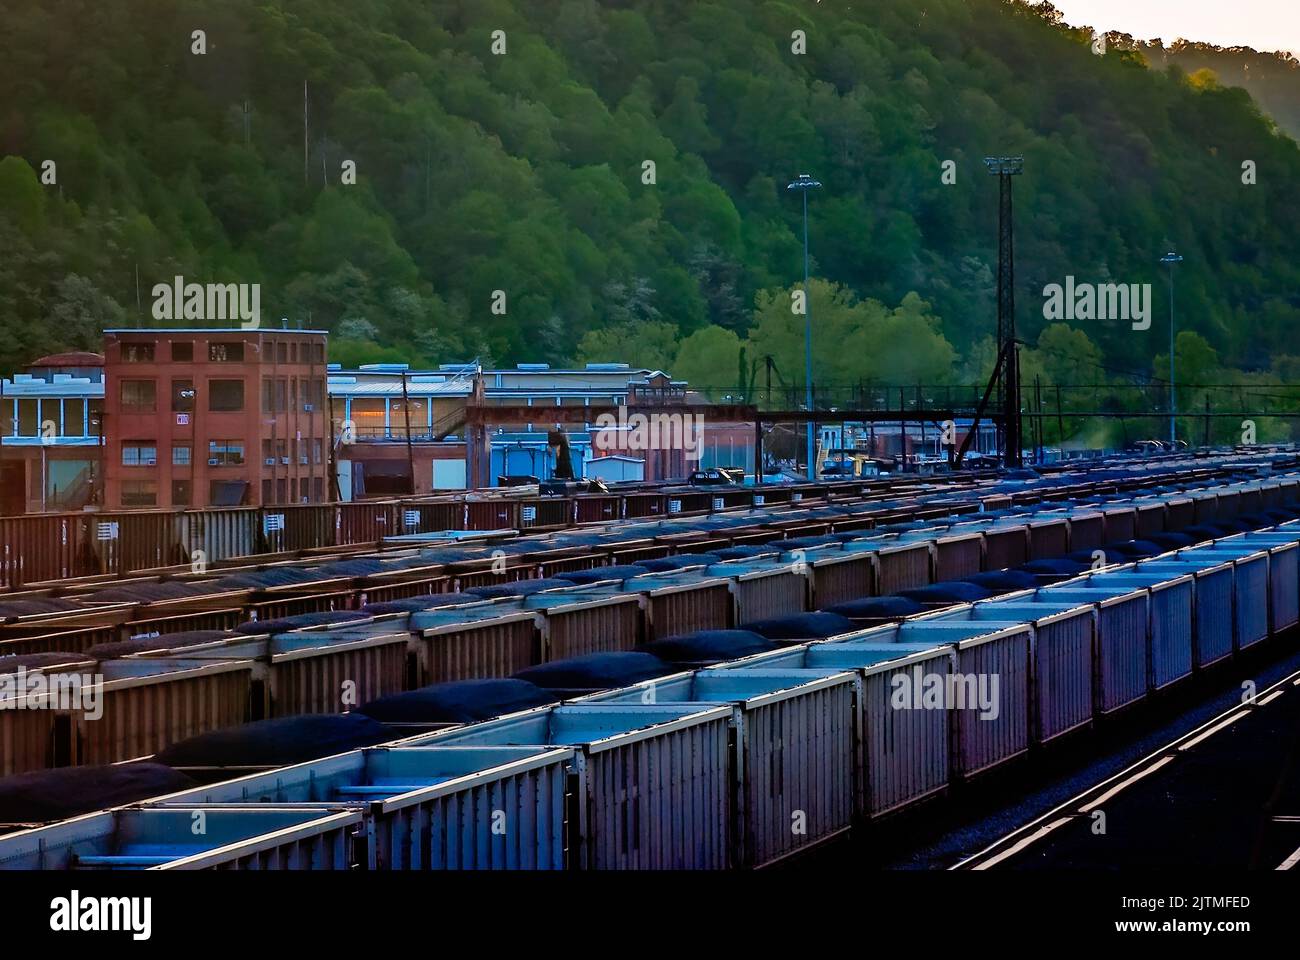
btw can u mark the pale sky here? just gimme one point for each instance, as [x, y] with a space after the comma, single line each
[1262, 24]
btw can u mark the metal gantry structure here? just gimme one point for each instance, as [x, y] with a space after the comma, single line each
[1007, 371]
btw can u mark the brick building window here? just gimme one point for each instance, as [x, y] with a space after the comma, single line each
[180, 493]
[181, 456]
[139, 396]
[139, 453]
[139, 493]
[225, 453]
[182, 351]
[225, 395]
[137, 352]
[226, 352]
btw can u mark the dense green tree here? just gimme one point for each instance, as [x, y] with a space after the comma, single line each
[566, 179]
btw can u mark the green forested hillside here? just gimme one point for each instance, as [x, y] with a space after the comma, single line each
[524, 170]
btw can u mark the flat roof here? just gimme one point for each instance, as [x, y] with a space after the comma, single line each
[277, 330]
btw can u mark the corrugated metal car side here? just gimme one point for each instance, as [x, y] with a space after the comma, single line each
[425, 807]
[1251, 578]
[332, 678]
[142, 715]
[1048, 538]
[1120, 524]
[906, 749]
[753, 535]
[597, 626]
[1206, 506]
[38, 548]
[1063, 670]
[220, 534]
[661, 801]
[633, 506]
[851, 524]
[597, 509]
[236, 838]
[769, 594]
[327, 846]
[987, 742]
[77, 640]
[735, 499]
[28, 740]
[1150, 518]
[366, 522]
[1270, 494]
[957, 557]
[1214, 614]
[478, 649]
[489, 515]
[902, 568]
[1179, 512]
[1087, 531]
[435, 515]
[1249, 500]
[545, 512]
[1229, 503]
[292, 606]
[511, 818]
[799, 768]
[302, 526]
[804, 528]
[692, 501]
[550, 566]
[842, 577]
[485, 576]
[223, 619]
[635, 552]
[146, 539]
[1172, 607]
[1122, 651]
[1005, 547]
[671, 611]
[697, 542]
[400, 590]
[1284, 582]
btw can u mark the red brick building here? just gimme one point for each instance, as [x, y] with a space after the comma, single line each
[221, 417]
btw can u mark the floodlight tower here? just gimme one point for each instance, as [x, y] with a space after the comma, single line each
[1004, 168]
[1170, 259]
[803, 185]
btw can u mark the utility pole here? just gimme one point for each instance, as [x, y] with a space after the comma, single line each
[1004, 168]
[1170, 259]
[410, 454]
[803, 185]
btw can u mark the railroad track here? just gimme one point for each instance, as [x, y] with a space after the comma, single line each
[1224, 794]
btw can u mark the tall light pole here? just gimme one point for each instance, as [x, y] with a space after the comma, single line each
[803, 185]
[1170, 259]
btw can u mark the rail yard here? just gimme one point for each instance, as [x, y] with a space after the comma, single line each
[662, 678]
